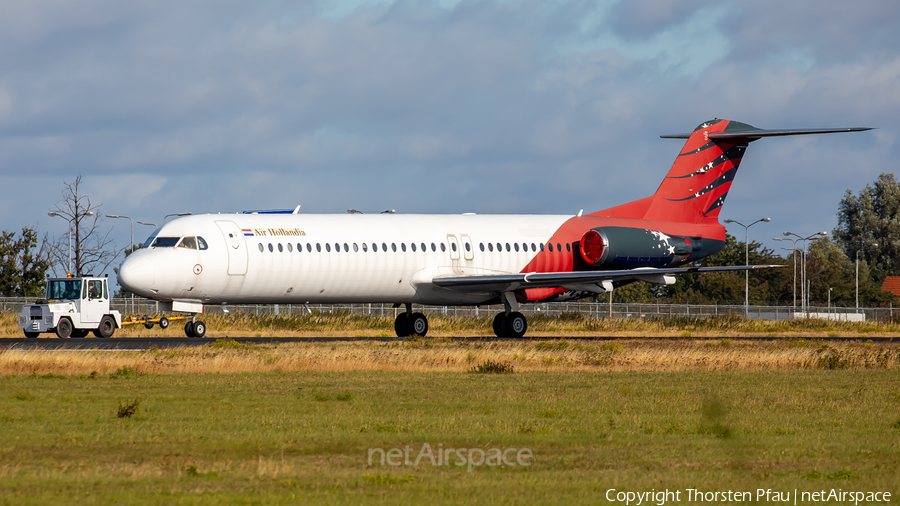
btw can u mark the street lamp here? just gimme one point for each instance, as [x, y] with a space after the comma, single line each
[54, 213]
[804, 290]
[794, 250]
[175, 214]
[874, 244]
[148, 224]
[747, 260]
[130, 246]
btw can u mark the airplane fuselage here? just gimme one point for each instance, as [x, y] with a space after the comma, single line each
[358, 258]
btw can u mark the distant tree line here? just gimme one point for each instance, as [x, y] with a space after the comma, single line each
[868, 226]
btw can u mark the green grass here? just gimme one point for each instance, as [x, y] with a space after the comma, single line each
[292, 438]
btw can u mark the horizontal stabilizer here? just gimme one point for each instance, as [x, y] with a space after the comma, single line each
[521, 281]
[758, 133]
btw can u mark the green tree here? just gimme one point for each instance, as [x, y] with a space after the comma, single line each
[828, 267]
[769, 285]
[23, 266]
[869, 223]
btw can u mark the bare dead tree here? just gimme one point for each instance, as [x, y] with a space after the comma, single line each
[92, 250]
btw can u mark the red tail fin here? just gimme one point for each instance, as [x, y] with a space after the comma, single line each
[698, 182]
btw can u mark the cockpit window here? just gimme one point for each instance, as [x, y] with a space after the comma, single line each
[188, 242]
[201, 243]
[150, 239]
[165, 242]
[64, 289]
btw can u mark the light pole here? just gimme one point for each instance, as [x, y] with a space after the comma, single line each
[829, 298]
[803, 284]
[69, 220]
[130, 246]
[857, 274]
[794, 254]
[747, 259]
[147, 246]
[174, 214]
[795, 263]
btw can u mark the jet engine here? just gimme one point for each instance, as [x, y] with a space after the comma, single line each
[629, 248]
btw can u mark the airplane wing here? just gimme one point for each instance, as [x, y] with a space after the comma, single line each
[594, 281]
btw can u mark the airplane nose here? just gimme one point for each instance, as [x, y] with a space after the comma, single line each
[136, 275]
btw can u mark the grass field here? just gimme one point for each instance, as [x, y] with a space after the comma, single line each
[284, 424]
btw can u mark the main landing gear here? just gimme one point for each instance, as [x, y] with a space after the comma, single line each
[510, 323]
[410, 324]
[195, 329]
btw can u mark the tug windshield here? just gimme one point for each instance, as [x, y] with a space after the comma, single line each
[64, 289]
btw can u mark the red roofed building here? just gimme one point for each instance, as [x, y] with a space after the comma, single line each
[892, 284]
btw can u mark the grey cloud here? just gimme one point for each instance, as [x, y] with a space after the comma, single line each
[822, 31]
[484, 107]
[635, 20]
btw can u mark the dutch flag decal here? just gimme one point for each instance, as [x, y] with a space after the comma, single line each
[247, 232]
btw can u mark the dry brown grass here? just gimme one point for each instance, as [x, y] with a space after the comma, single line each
[569, 325]
[441, 355]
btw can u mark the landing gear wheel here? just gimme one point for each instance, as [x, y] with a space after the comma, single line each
[498, 324]
[416, 325]
[400, 325]
[80, 333]
[189, 329]
[164, 323]
[199, 329]
[515, 324]
[64, 328]
[31, 335]
[106, 328]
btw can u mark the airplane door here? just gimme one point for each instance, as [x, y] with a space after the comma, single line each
[467, 247]
[237, 247]
[453, 244]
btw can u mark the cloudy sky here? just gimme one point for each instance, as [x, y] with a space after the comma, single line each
[531, 106]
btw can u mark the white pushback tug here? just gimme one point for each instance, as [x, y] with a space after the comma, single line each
[76, 307]
[73, 307]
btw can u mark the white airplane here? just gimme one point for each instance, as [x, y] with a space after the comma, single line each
[468, 259]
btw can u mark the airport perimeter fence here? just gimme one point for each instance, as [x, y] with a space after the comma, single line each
[592, 309]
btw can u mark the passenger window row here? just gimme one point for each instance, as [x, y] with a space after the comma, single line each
[338, 247]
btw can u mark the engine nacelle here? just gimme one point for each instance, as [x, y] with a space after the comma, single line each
[628, 248]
